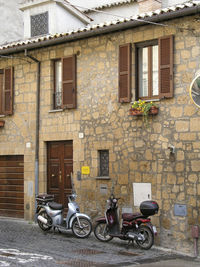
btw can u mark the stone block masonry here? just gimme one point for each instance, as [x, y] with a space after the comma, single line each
[136, 153]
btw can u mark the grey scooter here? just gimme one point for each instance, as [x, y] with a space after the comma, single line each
[50, 214]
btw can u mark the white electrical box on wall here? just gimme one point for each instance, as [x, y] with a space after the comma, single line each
[141, 192]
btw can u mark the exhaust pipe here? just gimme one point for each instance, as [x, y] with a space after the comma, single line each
[131, 235]
[135, 236]
[42, 219]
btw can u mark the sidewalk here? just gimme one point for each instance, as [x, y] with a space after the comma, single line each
[29, 243]
[170, 263]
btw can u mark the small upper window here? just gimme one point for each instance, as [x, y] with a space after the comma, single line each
[103, 163]
[6, 91]
[148, 71]
[39, 24]
[154, 69]
[57, 84]
[65, 83]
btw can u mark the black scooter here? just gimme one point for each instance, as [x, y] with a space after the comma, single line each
[135, 226]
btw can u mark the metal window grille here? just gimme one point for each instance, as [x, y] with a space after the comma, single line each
[103, 163]
[39, 24]
[58, 99]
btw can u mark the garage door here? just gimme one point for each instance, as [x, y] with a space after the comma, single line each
[12, 186]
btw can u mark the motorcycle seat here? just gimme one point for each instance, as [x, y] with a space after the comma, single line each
[55, 206]
[131, 216]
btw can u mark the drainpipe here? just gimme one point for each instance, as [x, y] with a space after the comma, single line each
[37, 127]
[195, 235]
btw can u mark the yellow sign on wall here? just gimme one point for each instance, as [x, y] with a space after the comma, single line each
[85, 170]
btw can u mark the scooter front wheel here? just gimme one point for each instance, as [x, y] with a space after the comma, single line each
[146, 237]
[83, 229]
[101, 232]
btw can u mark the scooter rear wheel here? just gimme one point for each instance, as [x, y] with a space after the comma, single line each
[101, 232]
[148, 237]
[85, 229]
[42, 225]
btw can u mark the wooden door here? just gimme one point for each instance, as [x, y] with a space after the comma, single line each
[12, 186]
[60, 167]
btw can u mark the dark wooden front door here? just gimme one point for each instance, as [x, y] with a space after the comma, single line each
[12, 186]
[60, 167]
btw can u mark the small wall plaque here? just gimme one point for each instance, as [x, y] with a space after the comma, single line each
[103, 189]
[180, 210]
[30, 189]
[85, 170]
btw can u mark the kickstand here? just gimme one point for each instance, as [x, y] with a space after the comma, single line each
[127, 245]
[54, 229]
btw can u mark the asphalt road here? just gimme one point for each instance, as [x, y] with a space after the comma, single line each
[23, 244]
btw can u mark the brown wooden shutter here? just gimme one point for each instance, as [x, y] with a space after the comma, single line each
[166, 66]
[69, 82]
[125, 73]
[8, 91]
[1, 91]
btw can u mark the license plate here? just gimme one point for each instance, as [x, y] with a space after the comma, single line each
[154, 230]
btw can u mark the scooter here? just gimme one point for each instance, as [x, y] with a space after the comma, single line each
[50, 214]
[135, 226]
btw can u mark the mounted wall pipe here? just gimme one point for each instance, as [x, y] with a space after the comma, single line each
[37, 126]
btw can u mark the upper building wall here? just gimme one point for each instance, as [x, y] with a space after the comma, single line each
[59, 19]
[11, 29]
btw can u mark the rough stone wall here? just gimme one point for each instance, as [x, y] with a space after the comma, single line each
[19, 129]
[137, 153]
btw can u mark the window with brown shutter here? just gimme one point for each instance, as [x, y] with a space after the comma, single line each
[166, 66]
[6, 91]
[154, 69]
[69, 82]
[125, 73]
[1, 91]
[65, 83]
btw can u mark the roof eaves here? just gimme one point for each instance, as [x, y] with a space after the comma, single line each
[156, 16]
[69, 6]
[116, 3]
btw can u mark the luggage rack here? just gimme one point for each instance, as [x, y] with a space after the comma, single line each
[44, 198]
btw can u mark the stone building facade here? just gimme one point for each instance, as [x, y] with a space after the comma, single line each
[138, 153]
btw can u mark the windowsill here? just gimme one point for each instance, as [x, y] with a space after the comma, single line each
[102, 178]
[55, 110]
[149, 100]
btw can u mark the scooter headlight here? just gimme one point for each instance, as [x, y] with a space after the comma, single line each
[73, 196]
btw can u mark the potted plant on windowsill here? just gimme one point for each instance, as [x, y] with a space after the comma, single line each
[143, 108]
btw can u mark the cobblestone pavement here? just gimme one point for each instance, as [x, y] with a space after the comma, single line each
[23, 244]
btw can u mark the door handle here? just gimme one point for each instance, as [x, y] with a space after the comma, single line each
[53, 175]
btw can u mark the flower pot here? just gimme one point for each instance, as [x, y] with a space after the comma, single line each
[2, 122]
[153, 110]
[135, 112]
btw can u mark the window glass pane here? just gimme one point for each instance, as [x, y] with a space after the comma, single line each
[143, 72]
[104, 163]
[155, 69]
[58, 83]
